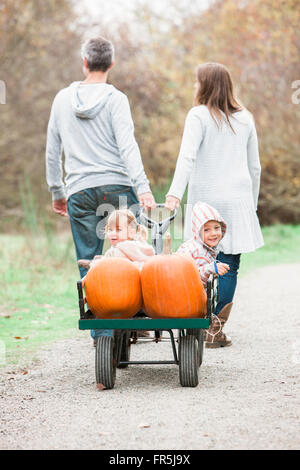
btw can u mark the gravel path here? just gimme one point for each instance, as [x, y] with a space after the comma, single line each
[248, 396]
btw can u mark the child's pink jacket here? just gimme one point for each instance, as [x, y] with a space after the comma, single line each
[203, 255]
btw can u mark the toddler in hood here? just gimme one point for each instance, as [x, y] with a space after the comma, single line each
[208, 229]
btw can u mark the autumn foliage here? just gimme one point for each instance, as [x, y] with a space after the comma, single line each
[156, 59]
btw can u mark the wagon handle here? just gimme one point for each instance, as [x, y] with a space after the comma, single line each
[151, 222]
[157, 228]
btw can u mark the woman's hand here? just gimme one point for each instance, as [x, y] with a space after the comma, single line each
[223, 268]
[172, 202]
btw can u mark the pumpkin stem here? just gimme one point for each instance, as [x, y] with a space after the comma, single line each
[167, 248]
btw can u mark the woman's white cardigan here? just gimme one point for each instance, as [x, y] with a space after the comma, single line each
[222, 168]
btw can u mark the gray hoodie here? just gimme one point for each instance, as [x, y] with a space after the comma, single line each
[92, 124]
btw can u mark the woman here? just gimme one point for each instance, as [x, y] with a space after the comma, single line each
[219, 160]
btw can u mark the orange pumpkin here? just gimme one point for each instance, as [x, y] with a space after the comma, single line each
[172, 288]
[113, 289]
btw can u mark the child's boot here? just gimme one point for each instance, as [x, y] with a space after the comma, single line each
[215, 337]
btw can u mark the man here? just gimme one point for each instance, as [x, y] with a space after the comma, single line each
[91, 122]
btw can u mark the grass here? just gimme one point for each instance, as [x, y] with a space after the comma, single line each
[39, 302]
[282, 245]
[38, 277]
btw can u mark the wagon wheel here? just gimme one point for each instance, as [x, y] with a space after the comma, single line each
[198, 333]
[200, 346]
[125, 349]
[188, 361]
[105, 361]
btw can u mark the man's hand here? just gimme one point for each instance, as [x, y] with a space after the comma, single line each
[60, 207]
[147, 200]
[172, 202]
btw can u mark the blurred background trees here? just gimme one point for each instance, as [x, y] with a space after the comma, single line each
[38, 56]
[156, 56]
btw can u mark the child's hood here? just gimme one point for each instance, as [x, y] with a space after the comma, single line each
[201, 214]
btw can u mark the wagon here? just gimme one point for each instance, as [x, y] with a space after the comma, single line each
[113, 352]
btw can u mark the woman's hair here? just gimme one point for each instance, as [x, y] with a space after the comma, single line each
[114, 220]
[215, 90]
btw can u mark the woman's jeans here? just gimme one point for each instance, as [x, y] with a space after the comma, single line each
[88, 212]
[227, 283]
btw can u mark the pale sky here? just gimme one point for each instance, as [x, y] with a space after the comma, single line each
[122, 9]
[107, 9]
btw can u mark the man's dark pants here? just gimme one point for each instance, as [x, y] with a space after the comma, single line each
[88, 212]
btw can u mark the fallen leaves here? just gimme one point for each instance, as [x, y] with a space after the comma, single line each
[10, 315]
[4, 315]
[28, 397]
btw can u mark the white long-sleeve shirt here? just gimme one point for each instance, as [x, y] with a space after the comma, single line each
[222, 168]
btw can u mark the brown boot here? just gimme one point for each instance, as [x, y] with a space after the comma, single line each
[215, 337]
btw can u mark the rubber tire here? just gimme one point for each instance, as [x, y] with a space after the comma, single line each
[188, 361]
[198, 333]
[105, 361]
[201, 346]
[125, 351]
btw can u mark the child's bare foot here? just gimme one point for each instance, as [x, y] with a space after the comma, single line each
[84, 263]
[100, 387]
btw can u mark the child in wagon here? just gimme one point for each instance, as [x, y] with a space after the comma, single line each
[128, 239]
[208, 229]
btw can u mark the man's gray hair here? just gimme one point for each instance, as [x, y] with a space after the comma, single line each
[99, 53]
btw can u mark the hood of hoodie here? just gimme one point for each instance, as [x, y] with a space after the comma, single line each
[201, 214]
[88, 100]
